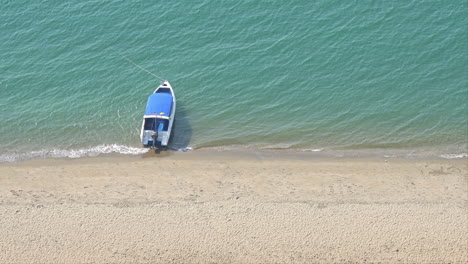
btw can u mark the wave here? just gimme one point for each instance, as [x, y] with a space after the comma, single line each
[312, 150]
[454, 156]
[128, 150]
[72, 153]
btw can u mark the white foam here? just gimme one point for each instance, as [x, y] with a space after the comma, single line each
[312, 150]
[184, 149]
[73, 153]
[454, 156]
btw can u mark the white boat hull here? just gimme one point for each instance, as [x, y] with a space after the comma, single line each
[151, 136]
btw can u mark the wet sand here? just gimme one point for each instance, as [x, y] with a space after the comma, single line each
[203, 207]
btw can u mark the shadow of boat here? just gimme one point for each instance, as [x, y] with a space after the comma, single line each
[181, 131]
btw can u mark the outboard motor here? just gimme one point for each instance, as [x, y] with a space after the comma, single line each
[155, 138]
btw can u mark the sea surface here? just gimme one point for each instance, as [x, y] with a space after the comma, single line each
[387, 77]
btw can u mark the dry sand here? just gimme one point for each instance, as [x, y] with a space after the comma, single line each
[205, 208]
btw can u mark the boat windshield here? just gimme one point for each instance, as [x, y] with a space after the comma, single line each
[156, 124]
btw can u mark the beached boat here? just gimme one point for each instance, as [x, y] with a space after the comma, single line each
[159, 117]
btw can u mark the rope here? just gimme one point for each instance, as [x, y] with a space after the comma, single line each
[142, 68]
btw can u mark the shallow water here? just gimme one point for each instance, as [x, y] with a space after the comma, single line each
[326, 75]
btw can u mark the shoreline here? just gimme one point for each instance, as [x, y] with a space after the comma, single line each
[118, 151]
[205, 206]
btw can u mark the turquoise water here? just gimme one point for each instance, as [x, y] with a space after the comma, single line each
[303, 75]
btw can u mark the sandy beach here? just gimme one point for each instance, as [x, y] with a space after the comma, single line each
[209, 207]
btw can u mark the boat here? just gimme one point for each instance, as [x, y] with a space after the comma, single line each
[159, 117]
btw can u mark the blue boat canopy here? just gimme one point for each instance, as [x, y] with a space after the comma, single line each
[159, 104]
